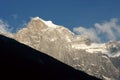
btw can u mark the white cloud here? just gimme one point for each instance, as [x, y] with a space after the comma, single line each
[15, 16]
[109, 30]
[4, 28]
[89, 32]
[20, 26]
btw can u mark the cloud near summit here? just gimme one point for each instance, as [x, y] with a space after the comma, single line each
[101, 32]
[3, 27]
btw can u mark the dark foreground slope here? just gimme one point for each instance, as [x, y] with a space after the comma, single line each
[18, 60]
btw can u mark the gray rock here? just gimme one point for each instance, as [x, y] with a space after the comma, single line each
[57, 42]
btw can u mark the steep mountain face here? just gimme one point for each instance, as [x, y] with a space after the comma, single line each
[41, 36]
[20, 61]
[75, 50]
[116, 61]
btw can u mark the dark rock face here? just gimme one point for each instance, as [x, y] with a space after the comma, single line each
[19, 60]
[116, 61]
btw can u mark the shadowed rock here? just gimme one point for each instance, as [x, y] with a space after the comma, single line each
[18, 60]
[74, 50]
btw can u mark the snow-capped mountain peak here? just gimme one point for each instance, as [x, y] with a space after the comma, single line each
[77, 51]
[48, 23]
[36, 18]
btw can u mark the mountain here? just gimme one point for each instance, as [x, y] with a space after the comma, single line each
[77, 51]
[18, 61]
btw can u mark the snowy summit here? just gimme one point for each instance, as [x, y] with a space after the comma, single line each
[48, 23]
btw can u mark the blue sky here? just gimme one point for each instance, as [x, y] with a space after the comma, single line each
[69, 13]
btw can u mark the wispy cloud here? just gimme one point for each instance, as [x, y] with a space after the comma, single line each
[108, 30]
[88, 32]
[9, 30]
[111, 29]
[5, 29]
[20, 26]
[15, 16]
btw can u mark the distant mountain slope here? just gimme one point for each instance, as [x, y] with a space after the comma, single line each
[20, 61]
[75, 50]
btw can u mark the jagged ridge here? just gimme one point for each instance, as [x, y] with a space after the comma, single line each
[75, 50]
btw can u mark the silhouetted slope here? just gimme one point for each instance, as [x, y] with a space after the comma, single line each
[18, 60]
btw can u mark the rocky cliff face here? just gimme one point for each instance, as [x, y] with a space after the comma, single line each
[75, 50]
[20, 61]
